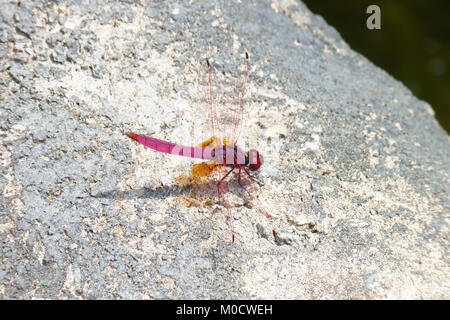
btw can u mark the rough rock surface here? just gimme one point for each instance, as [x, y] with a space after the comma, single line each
[355, 179]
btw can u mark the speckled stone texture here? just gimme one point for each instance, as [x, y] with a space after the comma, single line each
[355, 178]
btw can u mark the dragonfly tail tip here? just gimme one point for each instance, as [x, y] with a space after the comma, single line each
[132, 135]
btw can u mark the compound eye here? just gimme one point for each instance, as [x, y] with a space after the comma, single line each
[255, 160]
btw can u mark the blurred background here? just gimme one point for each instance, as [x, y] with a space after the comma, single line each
[413, 44]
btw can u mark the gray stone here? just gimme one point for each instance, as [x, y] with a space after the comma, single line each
[54, 39]
[58, 55]
[355, 178]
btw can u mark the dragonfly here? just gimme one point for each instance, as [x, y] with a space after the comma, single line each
[220, 152]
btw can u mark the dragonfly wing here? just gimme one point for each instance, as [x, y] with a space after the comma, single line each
[224, 93]
[230, 106]
[239, 93]
[224, 109]
[204, 169]
[210, 143]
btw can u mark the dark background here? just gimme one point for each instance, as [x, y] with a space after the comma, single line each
[413, 44]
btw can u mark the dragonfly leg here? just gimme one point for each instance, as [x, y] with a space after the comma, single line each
[239, 177]
[240, 180]
[220, 185]
[252, 177]
[249, 175]
[262, 210]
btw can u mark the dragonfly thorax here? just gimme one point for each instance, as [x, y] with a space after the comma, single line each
[233, 156]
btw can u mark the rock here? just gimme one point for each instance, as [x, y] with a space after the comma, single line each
[97, 71]
[24, 20]
[355, 178]
[54, 39]
[58, 55]
[72, 51]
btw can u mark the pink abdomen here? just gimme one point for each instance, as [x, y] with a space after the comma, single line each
[173, 148]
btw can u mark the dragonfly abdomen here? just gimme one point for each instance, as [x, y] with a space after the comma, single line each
[173, 148]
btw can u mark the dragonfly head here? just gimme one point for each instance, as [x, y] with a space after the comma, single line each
[255, 160]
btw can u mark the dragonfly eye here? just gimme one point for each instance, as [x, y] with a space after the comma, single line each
[255, 160]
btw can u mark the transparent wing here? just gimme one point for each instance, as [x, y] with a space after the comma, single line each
[239, 96]
[220, 117]
[226, 86]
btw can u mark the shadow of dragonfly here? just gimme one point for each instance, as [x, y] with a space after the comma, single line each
[144, 193]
